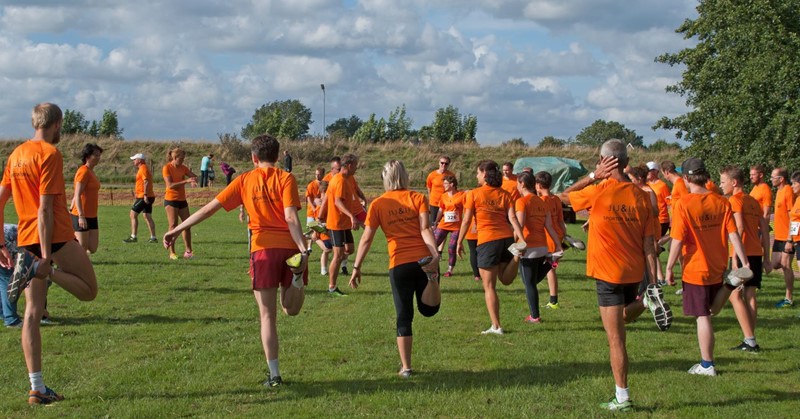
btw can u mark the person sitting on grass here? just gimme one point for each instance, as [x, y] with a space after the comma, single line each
[271, 200]
[403, 216]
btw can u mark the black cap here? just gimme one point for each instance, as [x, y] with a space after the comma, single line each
[693, 166]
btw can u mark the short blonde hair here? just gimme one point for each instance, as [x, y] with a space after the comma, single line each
[394, 176]
[45, 115]
[174, 152]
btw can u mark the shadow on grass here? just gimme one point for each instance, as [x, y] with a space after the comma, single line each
[217, 290]
[143, 319]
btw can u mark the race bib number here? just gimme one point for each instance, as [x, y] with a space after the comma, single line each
[450, 216]
[794, 230]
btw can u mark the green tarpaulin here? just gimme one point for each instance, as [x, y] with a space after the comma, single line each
[565, 172]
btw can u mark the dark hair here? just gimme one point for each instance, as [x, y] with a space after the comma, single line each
[758, 168]
[509, 164]
[349, 159]
[734, 173]
[452, 180]
[782, 172]
[527, 180]
[544, 179]
[668, 166]
[335, 159]
[210, 155]
[698, 179]
[320, 169]
[88, 150]
[796, 177]
[492, 174]
[265, 148]
[639, 172]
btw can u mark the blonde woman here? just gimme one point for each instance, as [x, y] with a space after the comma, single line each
[176, 176]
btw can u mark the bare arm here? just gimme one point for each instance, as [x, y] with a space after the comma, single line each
[512, 217]
[207, 211]
[548, 225]
[738, 248]
[174, 185]
[45, 224]
[674, 253]
[76, 201]
[603, 170]
[651, 258]
[462, 232]
[764, 230]
[5, 256]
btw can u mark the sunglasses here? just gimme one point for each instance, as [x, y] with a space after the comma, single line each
[444, 163]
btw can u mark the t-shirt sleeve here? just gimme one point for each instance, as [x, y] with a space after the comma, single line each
[291, 196]
[519, 205]
[584, 198]
[165, 172]
[677, 229]
[81, 175]
[6, 176]
[469, 202]
[421, 203]
[730, 223]
[52, 180]
[373, 220]
[231, 196]
[429, 181]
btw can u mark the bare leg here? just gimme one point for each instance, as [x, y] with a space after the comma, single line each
[172, 220]
[615, 332]
[489, 279]
[134, 223]
[35, 296]
[632, 311]
[94, 240]
[151, 225]
[508, 271]
[743, 311]
[333, 269]
[292, 299]
[83, 239]
[404, 347]
[719, 301]
[552, 282]
[432, 295]
[75, 272]
[705, 337]
[788, 274]
[183, 213]
[267, 308]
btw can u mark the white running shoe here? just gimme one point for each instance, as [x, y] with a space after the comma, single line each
[738, 277]
[518, 248]
[493, 331]
[576, 243]
[698, 369]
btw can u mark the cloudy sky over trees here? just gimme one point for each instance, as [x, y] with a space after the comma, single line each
[190, 70]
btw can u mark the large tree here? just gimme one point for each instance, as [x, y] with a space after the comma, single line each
[74, 122]
[344, 127]
[600, 131]
[283, 119]
[741, 81]
[450, 126]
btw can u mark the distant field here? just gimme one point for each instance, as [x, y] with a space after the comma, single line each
[180, 338]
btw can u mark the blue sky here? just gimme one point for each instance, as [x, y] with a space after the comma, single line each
[525, 68]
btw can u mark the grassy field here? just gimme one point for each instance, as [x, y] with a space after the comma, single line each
[180, 338]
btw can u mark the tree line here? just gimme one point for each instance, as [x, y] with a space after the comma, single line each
[108, 126]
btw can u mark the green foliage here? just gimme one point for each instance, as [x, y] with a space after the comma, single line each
[552, 142]
[233, 148]
[398, 127]
[514, 142]
[109, 125]
[94, 129]
[600, 131]
[283, 119]
[742, 83]
[662, 145]
[450, 127]
[74, 123]
[370, 131]
[344, 127]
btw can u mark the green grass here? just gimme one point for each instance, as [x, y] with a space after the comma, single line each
[180, 338]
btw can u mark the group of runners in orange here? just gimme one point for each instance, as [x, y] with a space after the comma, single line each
[512, 223]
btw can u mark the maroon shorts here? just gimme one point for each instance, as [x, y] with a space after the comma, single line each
[361, 217]
[268, 268]
[697, 299]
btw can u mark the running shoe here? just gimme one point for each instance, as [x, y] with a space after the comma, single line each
[16, 325]
[785, 303]
[518, 248]
[744, 347]
[432, 276]
[173, 256]
[130, 240]
[405, 372]
[477, 279]
[531, 319]
[45, 321]
[698, 369]
[552, 306]
[448, 274]
[317, 226]
[273, 382]
[573, 242]
[679, 291]
[738, 277]
[152, 240]
[188, 255]
[653, 299]
[493, 331]
[344, 271]
[616, 406]
[24, 269]
[336, 292]
[49, 396]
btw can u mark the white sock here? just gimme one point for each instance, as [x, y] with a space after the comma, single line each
[153, 237]
[133, 236]
[297, 280]
[274, 371]
[622, 394]
[37, 383]
[344, 263]
[750, 341]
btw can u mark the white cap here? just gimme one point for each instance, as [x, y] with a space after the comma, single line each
[139, 156]
[651, 165]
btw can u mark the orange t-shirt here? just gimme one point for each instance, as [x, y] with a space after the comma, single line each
[702, 222]
[452, 210]
[397, 213]
[175, 174]
[784, 200]
[678, 191]
[265, 193]
[35, 168]
[763, 194]
[794, 217]
[534, 212]
[662, 194]
[142, 175]
[435, 183]
[344, 188]
[621, 217]
[554, 207]
[328, 176]
[472, 231]
[490, 207]
[313, 192]
[90, 195]
[711, 186]
[751, 218]
[510, 185]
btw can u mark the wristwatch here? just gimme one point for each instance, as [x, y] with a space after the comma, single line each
[591, 175]
[307, 252]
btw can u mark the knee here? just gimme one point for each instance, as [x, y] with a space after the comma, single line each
[428, 311]
[291, 311]
[404, 328]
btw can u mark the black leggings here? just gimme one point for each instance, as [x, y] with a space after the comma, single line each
[407, 280]
[532, 272]
[473, 256]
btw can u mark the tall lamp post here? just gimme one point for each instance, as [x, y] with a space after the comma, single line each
[323, 112]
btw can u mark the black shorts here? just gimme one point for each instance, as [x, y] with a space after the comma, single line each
[757, 266]
[609, 295]
[144, 205]
[495, 252]
[91, 224]
[36, 249]
[779, 246]
[176, 204]
[664, 229]
[341, 237]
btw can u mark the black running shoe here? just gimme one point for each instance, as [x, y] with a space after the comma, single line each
[23, 273]
[744, 347]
